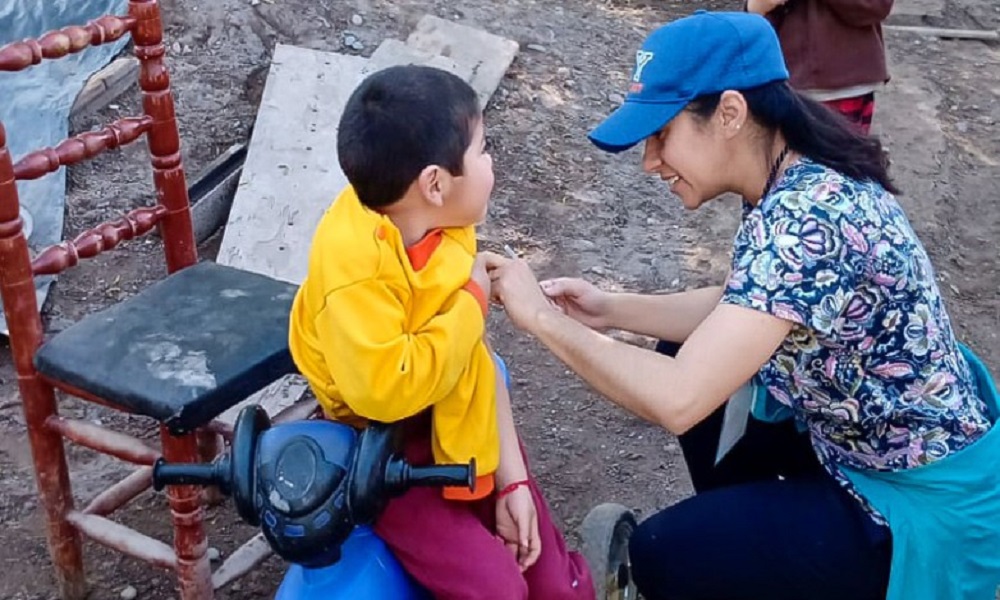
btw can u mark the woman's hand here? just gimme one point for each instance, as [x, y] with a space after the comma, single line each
[580, 300]
[515, 287]
[762, 7]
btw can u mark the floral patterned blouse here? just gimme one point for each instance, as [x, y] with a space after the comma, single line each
[871, 367]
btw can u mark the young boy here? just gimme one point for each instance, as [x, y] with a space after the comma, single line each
[389, 325]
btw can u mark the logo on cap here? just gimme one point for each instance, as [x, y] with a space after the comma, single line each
[642, 58]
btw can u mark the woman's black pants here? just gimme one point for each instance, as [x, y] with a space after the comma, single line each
[766, 523]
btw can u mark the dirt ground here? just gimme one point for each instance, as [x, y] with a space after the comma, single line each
[564, 205]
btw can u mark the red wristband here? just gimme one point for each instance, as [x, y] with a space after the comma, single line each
[510, 488]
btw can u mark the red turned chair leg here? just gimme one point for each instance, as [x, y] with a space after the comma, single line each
[194, 573]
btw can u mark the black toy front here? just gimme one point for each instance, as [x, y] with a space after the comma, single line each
[306, 484]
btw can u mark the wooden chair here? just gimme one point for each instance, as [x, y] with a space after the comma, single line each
[182, 351]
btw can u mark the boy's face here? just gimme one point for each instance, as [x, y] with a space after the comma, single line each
[468, 196]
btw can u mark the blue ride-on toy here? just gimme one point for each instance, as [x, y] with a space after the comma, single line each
[315, 487]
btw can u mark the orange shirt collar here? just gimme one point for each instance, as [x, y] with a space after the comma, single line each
[420, 253]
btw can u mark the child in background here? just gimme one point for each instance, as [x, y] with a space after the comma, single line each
[834, 50]
[389, 325]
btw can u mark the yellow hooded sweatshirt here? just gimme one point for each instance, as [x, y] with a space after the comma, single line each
[383, 332]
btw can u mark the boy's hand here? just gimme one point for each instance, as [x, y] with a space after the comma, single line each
[517, 526]
[480, 276]
[517, 289]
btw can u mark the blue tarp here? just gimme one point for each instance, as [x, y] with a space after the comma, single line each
[35, 103]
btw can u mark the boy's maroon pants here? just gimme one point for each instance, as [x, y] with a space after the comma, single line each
[450, 547]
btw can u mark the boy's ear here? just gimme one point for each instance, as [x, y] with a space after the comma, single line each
[433, 181]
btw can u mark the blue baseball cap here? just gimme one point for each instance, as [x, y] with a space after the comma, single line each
[705, 53]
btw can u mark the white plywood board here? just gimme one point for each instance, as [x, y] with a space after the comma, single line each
[291, 172]
[274, 398]
[481, 57]
[396, 52]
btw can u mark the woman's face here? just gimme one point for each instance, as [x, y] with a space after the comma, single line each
[690, 155]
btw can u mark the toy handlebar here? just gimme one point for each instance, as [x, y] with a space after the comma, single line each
[403, 475]
[398, 474]
[165, 474]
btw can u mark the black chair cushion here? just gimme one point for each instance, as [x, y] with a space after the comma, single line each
[183, 350]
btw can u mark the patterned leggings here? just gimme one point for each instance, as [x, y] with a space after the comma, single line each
[858, 110]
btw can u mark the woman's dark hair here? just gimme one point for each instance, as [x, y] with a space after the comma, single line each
[812, 130]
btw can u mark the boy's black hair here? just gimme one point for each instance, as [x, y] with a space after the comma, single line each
[399, 121]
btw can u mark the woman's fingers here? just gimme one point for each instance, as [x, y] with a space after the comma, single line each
[554, 287]
[493, 260]
[562, 287]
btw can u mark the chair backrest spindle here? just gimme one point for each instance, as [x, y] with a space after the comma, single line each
[17, 284]
[68, 40]
[163, 137]
[158, 125]
[81, 147]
